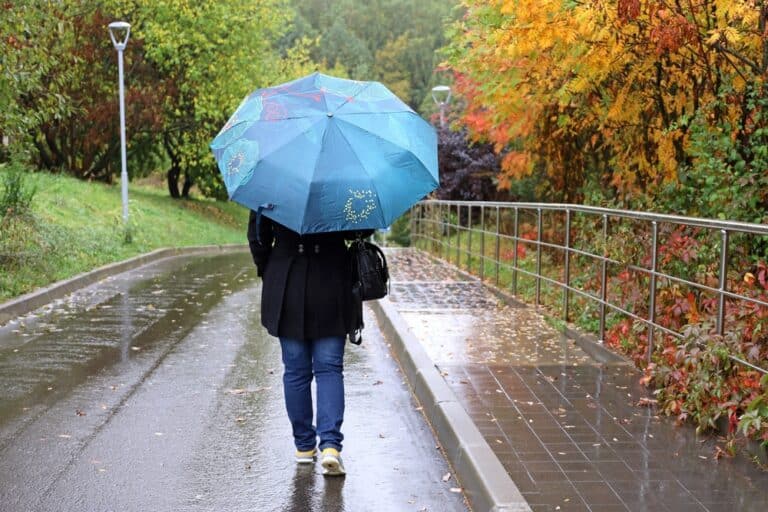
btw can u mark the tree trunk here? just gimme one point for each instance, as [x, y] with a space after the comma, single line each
[188, 182]
[175, 171]
[173, 181]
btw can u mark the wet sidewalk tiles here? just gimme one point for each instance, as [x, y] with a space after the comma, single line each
[568, 430]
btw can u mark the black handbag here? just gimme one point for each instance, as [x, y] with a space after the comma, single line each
[370, 275]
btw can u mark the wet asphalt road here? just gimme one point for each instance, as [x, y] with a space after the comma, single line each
[158, 390]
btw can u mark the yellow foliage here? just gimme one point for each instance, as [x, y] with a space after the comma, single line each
[626, 87]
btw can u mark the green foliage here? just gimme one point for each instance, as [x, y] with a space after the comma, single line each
[16, 194]
[755, 420]
[400, 233]
[727, 179]
[392, 41]
[211, 54]
[29, 96]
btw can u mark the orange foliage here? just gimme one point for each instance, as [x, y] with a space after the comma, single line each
[604, 90]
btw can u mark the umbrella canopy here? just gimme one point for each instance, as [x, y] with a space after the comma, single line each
[325, 154]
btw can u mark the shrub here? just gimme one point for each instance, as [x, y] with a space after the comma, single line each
[17, 195]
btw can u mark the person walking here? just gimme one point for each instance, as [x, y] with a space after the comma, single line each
[307, 303]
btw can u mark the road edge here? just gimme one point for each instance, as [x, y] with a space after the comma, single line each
[33, 300]
[486, 483]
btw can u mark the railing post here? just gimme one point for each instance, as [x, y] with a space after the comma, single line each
[652, 299]
[458, 235]
[567, 276]
[434, 229]
[723, 281]
[538, 256]
[446, 231]
[421, 228]
[412, 211]
[498, 223]
[514, 261]
[469, 238]
[482, 242]
[603, 278]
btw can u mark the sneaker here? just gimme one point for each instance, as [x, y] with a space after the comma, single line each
[307, 457]
[331, 462]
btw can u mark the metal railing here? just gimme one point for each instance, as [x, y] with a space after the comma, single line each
[598, 239]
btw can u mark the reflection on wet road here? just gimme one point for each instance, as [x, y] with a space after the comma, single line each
[159, 390]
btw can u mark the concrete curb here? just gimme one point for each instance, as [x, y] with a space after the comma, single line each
[38, 298]
[485, 481]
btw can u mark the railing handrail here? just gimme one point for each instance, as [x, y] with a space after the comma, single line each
[742, 227]
[438, 229]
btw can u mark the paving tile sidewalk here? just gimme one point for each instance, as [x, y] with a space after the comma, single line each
[566, 428]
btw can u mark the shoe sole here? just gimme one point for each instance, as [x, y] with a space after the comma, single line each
[332, 467]
[305, 460]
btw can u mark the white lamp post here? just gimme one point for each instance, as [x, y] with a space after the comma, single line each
[119, 32]
[441, 94]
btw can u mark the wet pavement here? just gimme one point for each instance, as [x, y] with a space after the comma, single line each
[567, 429]
[159, 390]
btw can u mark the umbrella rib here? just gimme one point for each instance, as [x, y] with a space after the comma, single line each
[312, 177]
[281, 146]
[367, 85]
[362, 166]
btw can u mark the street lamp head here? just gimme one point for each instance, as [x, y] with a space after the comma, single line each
[441, 94]
[119, 32]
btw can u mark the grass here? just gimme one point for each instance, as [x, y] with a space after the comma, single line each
[75, 226]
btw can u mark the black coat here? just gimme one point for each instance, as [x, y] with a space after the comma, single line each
[307, 283]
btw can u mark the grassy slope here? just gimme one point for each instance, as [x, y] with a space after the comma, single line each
[77, 226]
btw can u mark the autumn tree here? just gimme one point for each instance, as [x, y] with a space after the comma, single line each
[28, 97]
[614, 101]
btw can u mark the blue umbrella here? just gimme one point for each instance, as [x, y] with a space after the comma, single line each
[325, 154]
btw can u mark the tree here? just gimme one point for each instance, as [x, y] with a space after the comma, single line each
[601, 96]
[213, 53]
[468, 171]
[85, 142]
[392, 41]
[28, 30]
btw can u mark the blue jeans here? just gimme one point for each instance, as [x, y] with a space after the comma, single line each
[322, 358]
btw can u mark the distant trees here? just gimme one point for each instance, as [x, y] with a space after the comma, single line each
[392, 41]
